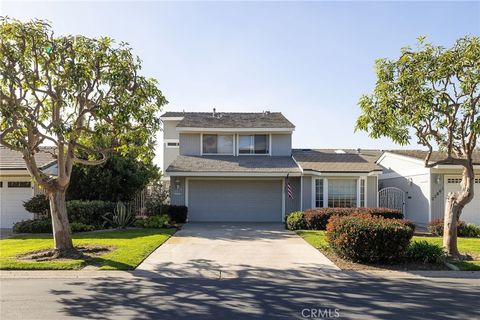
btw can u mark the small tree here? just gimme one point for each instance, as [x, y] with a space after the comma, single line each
[434, 93]
[76, 93]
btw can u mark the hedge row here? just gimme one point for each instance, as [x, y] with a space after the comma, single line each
[369, 238]
[317, 218]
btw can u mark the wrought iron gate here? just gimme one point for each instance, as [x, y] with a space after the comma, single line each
[393, 198]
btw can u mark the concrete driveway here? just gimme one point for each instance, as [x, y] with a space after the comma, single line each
[220, 250]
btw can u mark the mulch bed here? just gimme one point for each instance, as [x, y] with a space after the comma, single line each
[400, 266]
[82, 252]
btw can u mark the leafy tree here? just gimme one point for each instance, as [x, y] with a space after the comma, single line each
[118, 179]
[76, 93]
[431, 92]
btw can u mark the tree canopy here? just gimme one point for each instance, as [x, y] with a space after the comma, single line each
[85, 96]
[431, 91]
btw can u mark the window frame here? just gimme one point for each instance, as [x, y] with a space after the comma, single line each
[325, 194]
[19, 184]
[169, 141]
[217, 154]
[269, 144]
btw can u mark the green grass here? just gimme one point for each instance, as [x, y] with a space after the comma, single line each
[131, 248]
[466, 245]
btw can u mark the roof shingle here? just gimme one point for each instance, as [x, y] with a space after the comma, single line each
[13, 160]
[436, 155]
[231, 120]
[256, 164]
[331, 160]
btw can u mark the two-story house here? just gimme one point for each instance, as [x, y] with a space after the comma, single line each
[241, 167]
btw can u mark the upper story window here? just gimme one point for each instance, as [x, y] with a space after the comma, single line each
[217, 144]
[253, 144]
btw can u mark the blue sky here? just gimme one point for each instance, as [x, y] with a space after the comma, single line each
[309, 60]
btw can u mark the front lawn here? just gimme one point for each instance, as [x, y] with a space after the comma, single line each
[131, 247]
[466, 245]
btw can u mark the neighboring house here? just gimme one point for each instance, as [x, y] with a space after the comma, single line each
[16, 185]
[425, 188]
[238, 166]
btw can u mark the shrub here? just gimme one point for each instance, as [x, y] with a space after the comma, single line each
[160, 221]
[469, 230]
[156, 199]
[317, 218]
[295, 220]
[33, 226]
[368, 238]
[121, 217]
[89, 212]
[81, 227]
[435, 227]
[177, 213]
[38, 204]
[425, 252]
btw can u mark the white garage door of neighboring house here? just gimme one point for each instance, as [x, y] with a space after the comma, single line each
[471, 212]
[234, 200]
[12, 196]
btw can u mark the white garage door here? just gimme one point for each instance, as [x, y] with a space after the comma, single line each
[471, 212]
[12, 196]
[235, 200]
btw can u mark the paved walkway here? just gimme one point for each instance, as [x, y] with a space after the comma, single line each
[216, 250]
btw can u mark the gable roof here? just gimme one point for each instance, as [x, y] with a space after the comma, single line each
[231, 120]
[331, 160]
[255, 164]
[436, 155]
[13, 160]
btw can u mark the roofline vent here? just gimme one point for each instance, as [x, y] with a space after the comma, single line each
[214, 114]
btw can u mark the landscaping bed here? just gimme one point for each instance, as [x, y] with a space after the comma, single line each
[107, 250]
[471, 246]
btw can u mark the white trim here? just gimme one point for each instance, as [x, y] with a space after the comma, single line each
[231, 174]
[269, 130]
[294, 160]
[452, 166]
[401, 157]
[313, 193]
[325, 192]
[430, 197]
[234, 178]
[167, 141]
[337, 174]
[301, 193]
[171, 118]
[270, 144]
[186, 192]
[376, 194]
[358, 193]
[171, 140]
[283, 199]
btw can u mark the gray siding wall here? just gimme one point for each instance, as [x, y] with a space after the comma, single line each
[372, 192]
[170, 129]
[416, 193]
[307, 192]
[293, 205]
[190, 144]
[438, 196]
[177, 196]
[281, 144]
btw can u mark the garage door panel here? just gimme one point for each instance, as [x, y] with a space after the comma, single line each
[471, 212]
[11, 205]
[235, 200]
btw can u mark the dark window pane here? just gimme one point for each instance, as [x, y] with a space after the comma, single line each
[245, 145]
[19, 184]
[209, 143]
[261, 144]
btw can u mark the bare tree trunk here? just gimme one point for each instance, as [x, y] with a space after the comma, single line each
[61, 227]
[450, 226]
[456, 201]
